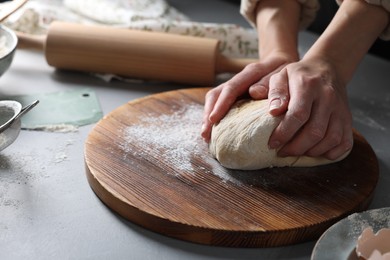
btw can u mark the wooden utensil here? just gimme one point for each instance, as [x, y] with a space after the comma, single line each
[9, 8]
[138, 165]
[132, 53]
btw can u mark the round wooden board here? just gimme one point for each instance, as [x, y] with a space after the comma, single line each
[147, 162]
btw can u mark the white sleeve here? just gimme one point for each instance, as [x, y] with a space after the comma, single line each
[386, 5]
[308, 13]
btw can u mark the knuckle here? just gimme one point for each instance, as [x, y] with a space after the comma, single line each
[299, 116]
[329, 92]
[213, 92]
[311, 80]
[330, 95]
[276, 79]
[344, 145]
[258, 90]
[277, 90]
[229, 87]
[314, 76]
[210, 94]
[316, 133]
[230, 91]
[334, 139]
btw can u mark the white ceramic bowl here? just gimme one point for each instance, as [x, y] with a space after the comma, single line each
[8, 43]
[9, 126]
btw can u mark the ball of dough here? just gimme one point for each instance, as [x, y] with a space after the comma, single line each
[240, 140]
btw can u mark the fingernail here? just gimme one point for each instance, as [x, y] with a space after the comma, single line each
[204, 129]
[211, 117]
[275, 104]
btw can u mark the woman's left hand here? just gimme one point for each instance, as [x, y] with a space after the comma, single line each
[317, 121]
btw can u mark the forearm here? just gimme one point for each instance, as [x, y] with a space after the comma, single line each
[277, 25]
[349, 36]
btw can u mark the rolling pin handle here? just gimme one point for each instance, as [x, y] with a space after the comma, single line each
[30, 41]
[231, 65]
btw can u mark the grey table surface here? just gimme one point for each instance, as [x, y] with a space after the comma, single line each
[47, 208]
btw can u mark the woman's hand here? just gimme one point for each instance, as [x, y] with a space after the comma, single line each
[253, 79]
[277, 26]
[317, 121]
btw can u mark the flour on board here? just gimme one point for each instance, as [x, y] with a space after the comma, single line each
[174, 139]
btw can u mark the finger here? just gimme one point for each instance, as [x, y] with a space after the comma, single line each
[312, 132]
[345, 145]
[211, 98]
[219, 100]
[234, 88]
[341, 149]
[225, 101]
[206, 130]
[259, 90]
[333, 138]
[278, 93]
[296, 116]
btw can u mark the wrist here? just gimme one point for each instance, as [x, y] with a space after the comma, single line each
[277, 26]
[328, 68]
[282, 55]
[331, 64]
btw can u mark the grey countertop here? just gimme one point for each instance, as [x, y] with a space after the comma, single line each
[47, 208]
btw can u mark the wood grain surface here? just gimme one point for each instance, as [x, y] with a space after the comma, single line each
[133, 53]
[146, 161]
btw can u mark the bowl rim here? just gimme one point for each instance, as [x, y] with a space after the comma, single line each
[14, 40]
[15, 106]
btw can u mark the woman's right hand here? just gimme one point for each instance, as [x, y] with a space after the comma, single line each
[277, 24]
[253, 79]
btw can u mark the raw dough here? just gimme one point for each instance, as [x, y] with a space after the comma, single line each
[240, 140]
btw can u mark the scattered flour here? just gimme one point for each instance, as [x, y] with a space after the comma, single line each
[61, 128]
[174, 140]
[361, 117]
[377, 218]
[20, 168]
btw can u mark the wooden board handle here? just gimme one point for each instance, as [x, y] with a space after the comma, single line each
[134, 53]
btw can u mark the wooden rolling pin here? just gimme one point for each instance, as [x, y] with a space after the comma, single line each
[133, 53]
